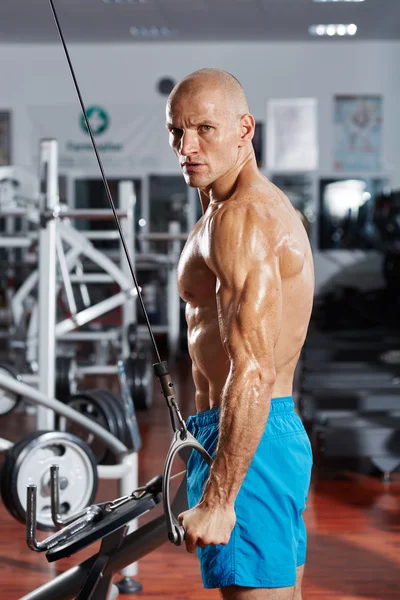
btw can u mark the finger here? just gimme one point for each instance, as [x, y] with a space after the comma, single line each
[191, 543]
[180, 518]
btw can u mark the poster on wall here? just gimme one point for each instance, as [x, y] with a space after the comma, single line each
[127, 137]
[5, 138]
[358, 133]
[292, 143]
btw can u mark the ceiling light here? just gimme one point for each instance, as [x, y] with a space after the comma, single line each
[332, 30]
[338, 0]
[124, 1]
[151, 32]
[352, 29]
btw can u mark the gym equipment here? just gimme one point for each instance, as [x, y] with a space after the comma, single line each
[8, 400]
[347, 380]
[140, 378]
[107, 410]
[93, 578]
[350, 382]
[318, 407]
[132, 429]
[58, 240]
[123, 418]
[96, 407]
[376, 437]
[107, 518]
[66, 377]
[106, 521]
[115, 553]
[28, 462]
[125, 467]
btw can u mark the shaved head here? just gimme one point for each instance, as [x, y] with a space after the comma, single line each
[210, 128]
[214, 80]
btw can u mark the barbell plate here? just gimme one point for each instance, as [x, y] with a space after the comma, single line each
[66, 377]
[91, 404]
[29, 462]
[117, 406]
[140, 380]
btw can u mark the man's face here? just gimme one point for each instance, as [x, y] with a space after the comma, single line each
[203, 134]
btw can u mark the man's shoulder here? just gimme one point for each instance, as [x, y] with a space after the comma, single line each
[247, 208]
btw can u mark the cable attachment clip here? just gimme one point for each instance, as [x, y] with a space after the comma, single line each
[161, 371]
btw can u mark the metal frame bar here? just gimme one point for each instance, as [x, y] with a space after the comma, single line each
[47, 283]
[80, 246]
[17, 303]
[14, 241]
[127, 201]
[62, 409]
[137, 544]
[89, 314]
[100, 235]
[65, 276]
[82, 287]
[111, 335]
[95, 214]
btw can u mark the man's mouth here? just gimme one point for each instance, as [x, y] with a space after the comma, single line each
[192, 166]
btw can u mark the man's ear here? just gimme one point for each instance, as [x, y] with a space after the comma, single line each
[247, 125]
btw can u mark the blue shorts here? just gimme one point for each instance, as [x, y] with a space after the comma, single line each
[268, 541]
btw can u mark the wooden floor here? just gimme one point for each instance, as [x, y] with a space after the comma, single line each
[353, 527]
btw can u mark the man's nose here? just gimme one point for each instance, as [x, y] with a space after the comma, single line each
[189, 143]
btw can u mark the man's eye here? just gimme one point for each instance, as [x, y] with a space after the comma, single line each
[205, 127]
[175, 131]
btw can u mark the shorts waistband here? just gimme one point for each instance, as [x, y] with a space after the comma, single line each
[281, 405]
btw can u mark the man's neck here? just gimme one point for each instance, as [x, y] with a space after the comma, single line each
[222, 189]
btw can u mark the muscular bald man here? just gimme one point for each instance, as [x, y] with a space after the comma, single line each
[246, 275]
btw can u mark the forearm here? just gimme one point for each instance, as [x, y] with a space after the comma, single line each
[244, 412]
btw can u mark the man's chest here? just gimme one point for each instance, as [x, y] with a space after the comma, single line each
[195, 280]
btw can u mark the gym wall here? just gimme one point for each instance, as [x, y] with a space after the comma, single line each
[37, 76]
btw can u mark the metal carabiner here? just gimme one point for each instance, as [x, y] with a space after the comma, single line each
[176, 533]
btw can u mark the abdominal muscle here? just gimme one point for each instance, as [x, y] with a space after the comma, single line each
[211, 365]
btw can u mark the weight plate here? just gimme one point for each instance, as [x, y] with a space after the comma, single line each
[130, 434]
[8, 399]
[97, 408]
[66, 371]
[117, 405]
[117, 409]
[140, 379]
[134, 441]
[5, 488]
[29, 461]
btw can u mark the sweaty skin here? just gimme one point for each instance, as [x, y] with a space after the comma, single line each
[246, 275]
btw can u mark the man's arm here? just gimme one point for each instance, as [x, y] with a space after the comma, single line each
[243, 256]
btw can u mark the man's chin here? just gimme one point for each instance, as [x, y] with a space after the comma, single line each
[195, 181]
